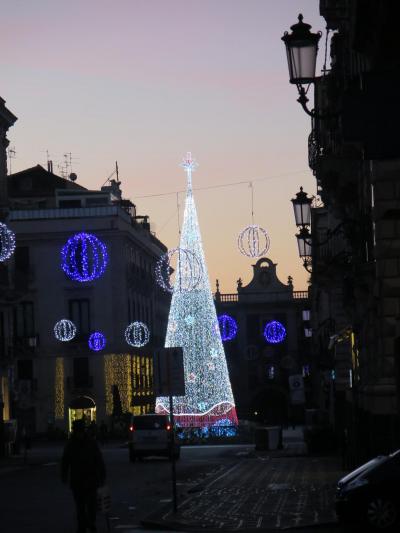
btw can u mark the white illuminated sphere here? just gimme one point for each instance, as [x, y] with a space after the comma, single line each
[137, 334]
[189, 272]
[64, 330]
[7, 242]
[253, 241]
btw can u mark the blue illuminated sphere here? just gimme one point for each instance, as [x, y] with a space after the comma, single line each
[97, 341]
[228, 327]
[84, 257]
[274, 332]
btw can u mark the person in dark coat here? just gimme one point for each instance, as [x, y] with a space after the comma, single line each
[82, 464]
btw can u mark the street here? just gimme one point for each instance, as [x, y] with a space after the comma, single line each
[228, 485]
[34, 499]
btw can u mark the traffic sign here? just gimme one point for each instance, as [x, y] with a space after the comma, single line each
[168, 372]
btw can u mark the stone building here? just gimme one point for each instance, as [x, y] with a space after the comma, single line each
[7, 294]
[57, 381]
[261, 369]
[354, 153]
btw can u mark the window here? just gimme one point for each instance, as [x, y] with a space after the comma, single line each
[79, 313]
[24, 324]
[67, 204]
[81, 371]
[22, 258]
[2, 339]
[253, 328]
[25, 369]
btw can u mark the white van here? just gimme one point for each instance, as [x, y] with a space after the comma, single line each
[152, 435]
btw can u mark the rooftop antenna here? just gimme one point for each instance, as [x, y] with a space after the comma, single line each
[12, 154]
[115, 172]
[65, 168]
[49, 162]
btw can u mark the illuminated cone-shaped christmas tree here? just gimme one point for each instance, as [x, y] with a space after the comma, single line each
[193, 325]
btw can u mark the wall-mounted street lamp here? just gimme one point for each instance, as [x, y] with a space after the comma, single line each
[302, 208]
[302, 49]
[302, 215]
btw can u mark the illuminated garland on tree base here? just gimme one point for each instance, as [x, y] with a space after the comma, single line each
[225, 412]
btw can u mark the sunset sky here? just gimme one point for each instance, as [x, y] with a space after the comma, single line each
[143, 82]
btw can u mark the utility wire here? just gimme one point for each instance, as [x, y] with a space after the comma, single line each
[232, 184]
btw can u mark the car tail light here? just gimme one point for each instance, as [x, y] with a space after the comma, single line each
[132, 428]
[168, 427]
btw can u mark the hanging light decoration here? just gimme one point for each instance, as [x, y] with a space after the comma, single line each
[64, 330]
[137, 334]
[84, 257]
[253, 241]
[189, 272]
[228, 327]
[97, 341]
[274, 332]
[7, 242]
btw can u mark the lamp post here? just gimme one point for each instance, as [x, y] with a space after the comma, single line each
[301, 50]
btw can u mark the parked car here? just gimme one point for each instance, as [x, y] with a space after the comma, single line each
[370, 495]
[152, 435]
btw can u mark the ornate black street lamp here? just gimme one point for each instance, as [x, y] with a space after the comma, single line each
[302, 208]
[301, 49]
[304, 244]
[302, 214]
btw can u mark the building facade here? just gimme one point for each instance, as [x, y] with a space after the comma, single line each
[7, 294]
[56, 381]
[354, 152]
[263, 365]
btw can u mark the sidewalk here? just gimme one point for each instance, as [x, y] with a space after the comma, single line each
[262, 490]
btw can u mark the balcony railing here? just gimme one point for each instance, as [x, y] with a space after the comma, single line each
[269, 296]
[26, 343]
[313, 151]
[76, 212]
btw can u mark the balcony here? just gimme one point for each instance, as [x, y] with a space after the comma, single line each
[313, 151]
[26, 345]
[264, 296]
[6, 350]
[23, 278]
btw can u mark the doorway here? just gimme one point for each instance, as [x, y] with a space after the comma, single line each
[82, 407]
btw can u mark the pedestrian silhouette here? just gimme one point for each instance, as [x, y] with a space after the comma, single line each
[82, 464]
[103, 432]
[92, 429]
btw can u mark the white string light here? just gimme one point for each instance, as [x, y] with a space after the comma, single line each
[253, 241]
[193, 325]
[137, 334]
[188, 272]
[64, 330]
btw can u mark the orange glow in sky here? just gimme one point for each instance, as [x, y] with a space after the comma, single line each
[143, 82]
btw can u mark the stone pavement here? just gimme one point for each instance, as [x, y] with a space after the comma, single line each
[260, 491]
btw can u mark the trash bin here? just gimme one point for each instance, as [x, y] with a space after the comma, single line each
[268, 438]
